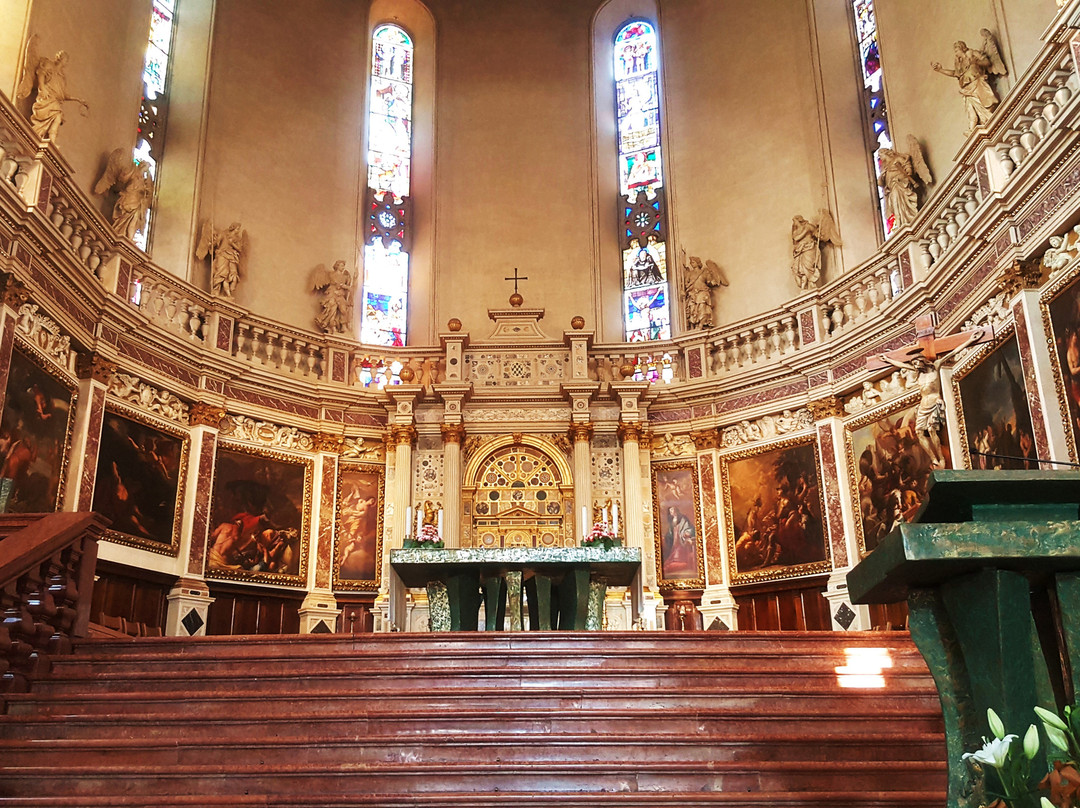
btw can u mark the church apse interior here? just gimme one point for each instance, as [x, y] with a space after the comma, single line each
[288, 283]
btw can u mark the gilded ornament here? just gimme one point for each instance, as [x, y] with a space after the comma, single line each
[580, 432]
[203, 414]
[822, 408]
[94, 366]
[629, 432]
[407, 374]
[325, 442]
[453, 433]
[454, 324]
[577, 323]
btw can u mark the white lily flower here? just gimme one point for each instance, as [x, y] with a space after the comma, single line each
[994, 753]
[1051, 718]
[994, 721]
[1031, 742]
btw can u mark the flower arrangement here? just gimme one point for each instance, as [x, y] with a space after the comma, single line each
[600, 536]
[1004, 762]
[427, 539]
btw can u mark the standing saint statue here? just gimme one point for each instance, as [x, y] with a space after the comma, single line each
[49, 78]
[134, 192]
[698, 282]
[806, 240]
[336, 285]
[902, 174]
[973, 68]
[225, 248]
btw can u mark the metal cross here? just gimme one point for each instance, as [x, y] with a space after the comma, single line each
[515, 279]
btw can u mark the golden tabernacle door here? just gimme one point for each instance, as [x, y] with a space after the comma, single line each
[518, 493]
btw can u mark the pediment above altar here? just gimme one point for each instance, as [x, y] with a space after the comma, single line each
[517, 325]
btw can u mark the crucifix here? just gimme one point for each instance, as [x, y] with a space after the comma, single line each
[516, 299]
[925, 359]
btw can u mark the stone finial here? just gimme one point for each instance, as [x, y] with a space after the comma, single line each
[454, 324]
[577, 322]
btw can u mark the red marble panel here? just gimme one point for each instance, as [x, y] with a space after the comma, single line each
[858, 362]
[224, 333]
[817, 379]
[200, 522]
[7, 341]
[713, 551]
[693, 362]
[334, 416]
[274, 402]
[761, 397]
[1027, 362]
[906, 276]
[831, 479]
[668, 416]
[1050, 203]
[807, 332]
[123, 281]
[982, 176]
[60, 296]
[364, 419]
[327, 497]
[44, 190]
[22, 255]
[214, 385]
[149, 359]
[339, 366]
[963, 292]
[702, 410]
[93, 442]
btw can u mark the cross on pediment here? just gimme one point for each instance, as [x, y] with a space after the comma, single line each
[515, 278]
[928, 345]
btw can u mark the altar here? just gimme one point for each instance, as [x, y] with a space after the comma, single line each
[562, 588]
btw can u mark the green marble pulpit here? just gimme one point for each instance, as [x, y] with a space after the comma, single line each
[990, 569]
[563, 586]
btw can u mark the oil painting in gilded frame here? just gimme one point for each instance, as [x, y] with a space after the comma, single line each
[773, 506]
[995, 418]
[139, 483]
[677, 529]
[35, 433]
[889, 469]
[260, 510]
[1061, 316]
[358, 540]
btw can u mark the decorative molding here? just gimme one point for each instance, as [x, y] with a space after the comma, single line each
[630, 432]
[263, 433]
[15, 294]
[325, 442]
[706, 439]
[203, 414]
[361, 448]
[402, 435]
[512, 414]
[94, 366]
[452, 433]
[146, 397]
[823, 408]
[580, 432]
[767, 427]
[669, 444]
[44, 334]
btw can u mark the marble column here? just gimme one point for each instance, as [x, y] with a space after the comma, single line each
[319, 611]
[401, 438]
[94, 373]
[634, 532]
[189, 599]
[581, 435]
[452, 435]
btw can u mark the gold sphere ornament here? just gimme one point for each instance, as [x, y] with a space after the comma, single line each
[454, 324]
[516, 300]
[627, 370]
[577, 323]
[407, 374]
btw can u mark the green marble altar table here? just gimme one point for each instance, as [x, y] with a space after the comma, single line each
[991, 574]
[564, 586]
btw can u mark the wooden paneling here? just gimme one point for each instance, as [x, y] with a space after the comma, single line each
[797, 605]
[888, 615]
[135, 595]
[356, 615]
[252, 612]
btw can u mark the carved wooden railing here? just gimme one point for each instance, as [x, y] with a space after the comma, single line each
[47, 566]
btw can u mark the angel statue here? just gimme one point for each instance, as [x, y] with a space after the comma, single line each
[134, 192]
[806, 240]
[47, 113]
[336, 286]
[902, 173]
[698, 282]
[973, 69]
[225, 248]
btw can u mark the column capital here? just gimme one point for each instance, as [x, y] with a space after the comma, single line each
[453, 433]
[706, 439]
[822, 408]
[94, 366]
[580, 433]
[203, 413]
[325, 442]
[402, 435]
[630, 432]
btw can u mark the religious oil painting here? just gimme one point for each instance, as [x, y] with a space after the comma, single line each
[676, 505]
[995, 426]
[139, 482]
[773, 501]
[259, 515]
[889, 469]
[359, 527]
[34, 433]
[1063, 309]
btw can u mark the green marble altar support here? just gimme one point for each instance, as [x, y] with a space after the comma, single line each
[559, 583]
[991, 573]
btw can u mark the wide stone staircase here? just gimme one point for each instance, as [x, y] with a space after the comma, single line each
[530, 720]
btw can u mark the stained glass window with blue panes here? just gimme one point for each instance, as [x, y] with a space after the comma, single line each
[642, 214]
[877, 118]
[388, 226]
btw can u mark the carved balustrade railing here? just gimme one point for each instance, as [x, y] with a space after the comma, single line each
[1042, 108]
[46, 583]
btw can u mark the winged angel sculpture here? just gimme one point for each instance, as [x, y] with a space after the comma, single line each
[806, 240]
[698, 282]
[134, 192]
[225, 248]
[973, 69]
[48, 76]
[336, 285]
[902, 174]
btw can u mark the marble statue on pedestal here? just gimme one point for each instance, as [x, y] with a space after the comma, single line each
[49, 78]
[972, 69]
[134, 192]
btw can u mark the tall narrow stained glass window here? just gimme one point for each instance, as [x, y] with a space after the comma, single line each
[877, 117]
[388, 226]
[154, 109]
[642, 212]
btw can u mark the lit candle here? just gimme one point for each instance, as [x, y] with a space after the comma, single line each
[408, 521]
[615, 520]
[419, 520]
[440, 521]
[584, 521]
[604, 511]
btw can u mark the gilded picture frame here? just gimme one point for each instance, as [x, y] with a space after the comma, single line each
[260, 510]
[1060, 306]
[774, 511]
[677, 525]
[888, 468]
[358, 533]
[993, 416]
[140, 479]
[35, 433]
